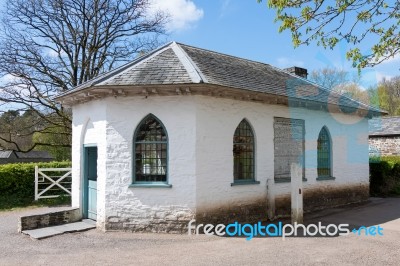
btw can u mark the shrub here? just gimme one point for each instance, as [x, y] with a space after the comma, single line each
[17, 182]
[385, 176]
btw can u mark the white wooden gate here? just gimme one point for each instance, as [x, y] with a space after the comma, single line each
[56, 182]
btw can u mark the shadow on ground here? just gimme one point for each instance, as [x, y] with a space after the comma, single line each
[373, 213]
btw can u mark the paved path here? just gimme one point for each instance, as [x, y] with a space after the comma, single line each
[41, 233]
[123, 248]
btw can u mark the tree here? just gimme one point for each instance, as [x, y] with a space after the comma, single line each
[59, 153]
[50, 46]
[389, 95]
[341, 81]
[354, 91]
[14, 129]
[332, 77]
[375, 23]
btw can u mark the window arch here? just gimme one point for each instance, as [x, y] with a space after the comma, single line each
[150, 151]
[324, 153]
[243, 152]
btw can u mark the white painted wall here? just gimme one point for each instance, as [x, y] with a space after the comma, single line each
[200, 131]
[123, 116]
[89, 127]
[217, 120]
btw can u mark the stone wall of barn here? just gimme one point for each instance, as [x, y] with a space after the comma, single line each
[384, 145]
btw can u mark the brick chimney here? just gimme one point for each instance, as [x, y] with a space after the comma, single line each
[301, 72]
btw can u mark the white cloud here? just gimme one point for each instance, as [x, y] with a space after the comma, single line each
[183, 13]
[283, 62]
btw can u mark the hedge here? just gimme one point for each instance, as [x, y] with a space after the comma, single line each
[384, 176]
[17, 182]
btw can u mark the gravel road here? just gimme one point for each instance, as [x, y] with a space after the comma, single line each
[124, 248]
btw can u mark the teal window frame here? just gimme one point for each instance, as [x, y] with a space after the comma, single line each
[324, 155]
[245, 134]
[149, 184]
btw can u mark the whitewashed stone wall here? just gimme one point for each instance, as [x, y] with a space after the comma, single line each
[151, 209]
[88, 128]
[217, 120]
[200, 131]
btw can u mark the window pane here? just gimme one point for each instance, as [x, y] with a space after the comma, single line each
[324, 153]
[151, 152]
[243, 152]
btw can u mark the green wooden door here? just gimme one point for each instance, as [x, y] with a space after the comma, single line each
[90, 190]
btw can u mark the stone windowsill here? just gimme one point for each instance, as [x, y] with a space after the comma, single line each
[321, 178]
[286, 180]
[245, 182]
[151, 185]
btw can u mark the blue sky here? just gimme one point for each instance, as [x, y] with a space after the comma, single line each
[247, 29]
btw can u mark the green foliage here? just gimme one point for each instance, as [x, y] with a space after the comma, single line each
[55, 140]
[13, 129]
[17, 183]
[389, 95]
[384, 176]
[327, 23]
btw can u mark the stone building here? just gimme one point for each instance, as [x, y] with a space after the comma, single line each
[185, 133]
[384, 136]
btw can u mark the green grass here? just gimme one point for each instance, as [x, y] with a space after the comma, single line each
[9, 203]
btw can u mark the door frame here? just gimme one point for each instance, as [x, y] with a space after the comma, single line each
[85, 179]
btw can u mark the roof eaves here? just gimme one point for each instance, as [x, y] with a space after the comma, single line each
[192, 69]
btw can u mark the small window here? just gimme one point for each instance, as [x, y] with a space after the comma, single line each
[150, 151]
[324, 154]
[243, 153]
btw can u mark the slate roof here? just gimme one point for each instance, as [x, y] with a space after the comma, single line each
[34, 155]
[384, 126]
[4, 154]
[176, 63]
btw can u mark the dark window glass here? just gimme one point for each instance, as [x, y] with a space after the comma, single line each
[151, 151]
[324, 153]
[243, 152]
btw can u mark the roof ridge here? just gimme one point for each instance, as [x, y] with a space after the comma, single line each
[192, 69]
[286, 72]
[228, 55]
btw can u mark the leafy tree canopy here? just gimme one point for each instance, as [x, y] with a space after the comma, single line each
[375, 23]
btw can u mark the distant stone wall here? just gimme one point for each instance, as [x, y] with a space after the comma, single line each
[48, 219]
[384, 145]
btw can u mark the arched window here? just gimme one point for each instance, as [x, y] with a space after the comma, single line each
[150, 151]
[324, 154]
[243, 152]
